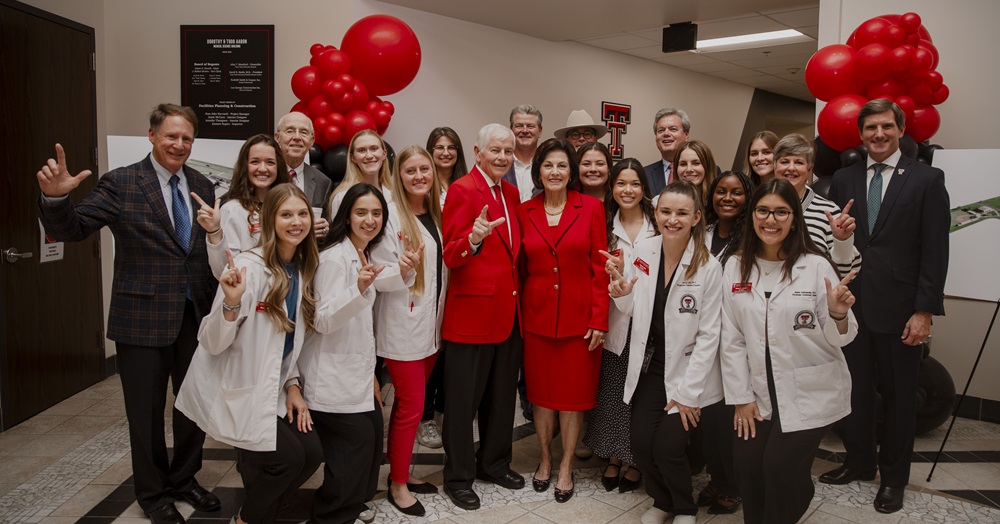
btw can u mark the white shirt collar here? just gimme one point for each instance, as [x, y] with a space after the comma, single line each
[892, 161]
[162, 173]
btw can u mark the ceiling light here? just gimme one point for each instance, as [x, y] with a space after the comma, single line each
[733, 43]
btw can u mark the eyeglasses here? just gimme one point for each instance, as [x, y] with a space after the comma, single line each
[576, 134]
[442, 149]
[291, 131]
[781, 215]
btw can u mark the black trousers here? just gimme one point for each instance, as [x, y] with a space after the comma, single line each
[773, 472]
[717, 440]
[434, 392]
[145, 372]
[269, 476]
[876, 358]
[479, 378]
[659, 444]
[352, 447]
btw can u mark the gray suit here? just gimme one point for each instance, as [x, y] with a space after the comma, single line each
[318, 187]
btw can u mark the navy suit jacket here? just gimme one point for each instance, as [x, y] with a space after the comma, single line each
[152, 270]
[657, 178]
[906, 255]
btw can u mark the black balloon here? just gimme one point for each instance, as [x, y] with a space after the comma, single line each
[316, 156]
[908, 146]
[822, 185]
[926, 151]
[335, 161]
[863, 151]
[850, 157]
[935, 395]
[827, 159]
[390, 155]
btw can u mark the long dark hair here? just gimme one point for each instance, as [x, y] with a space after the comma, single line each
[459, 169]
[795, 245]
[611, 207]
[712, 217]
[770, 139]
[240, 187]
[340, 225]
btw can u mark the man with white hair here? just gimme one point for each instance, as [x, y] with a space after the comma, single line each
[480, 329]
[295, 136]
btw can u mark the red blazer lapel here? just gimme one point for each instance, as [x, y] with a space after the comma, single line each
[574, 204]
[494, 212]
[535, 209]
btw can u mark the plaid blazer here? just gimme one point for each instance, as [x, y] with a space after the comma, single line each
[152, 270]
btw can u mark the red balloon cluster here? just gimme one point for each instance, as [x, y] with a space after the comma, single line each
[890, 56]
[341, 95]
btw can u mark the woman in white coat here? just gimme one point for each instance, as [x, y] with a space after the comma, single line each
[786, 316]
[242, 386]
[630, 219]
[236, 226]
[408, 321]
[338, 359]
[672, 370]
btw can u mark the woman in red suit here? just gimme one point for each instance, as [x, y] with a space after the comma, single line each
[564, 319]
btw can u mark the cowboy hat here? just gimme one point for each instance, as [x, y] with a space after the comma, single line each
[580, 118]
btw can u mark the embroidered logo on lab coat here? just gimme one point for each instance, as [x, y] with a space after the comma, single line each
[804, 319]
[688, 304]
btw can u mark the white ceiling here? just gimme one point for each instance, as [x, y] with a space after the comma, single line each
[634, 27]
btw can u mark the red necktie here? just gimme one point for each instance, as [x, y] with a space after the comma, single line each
[291, 173]
[503, 210]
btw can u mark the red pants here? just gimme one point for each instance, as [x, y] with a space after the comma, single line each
[410, 379]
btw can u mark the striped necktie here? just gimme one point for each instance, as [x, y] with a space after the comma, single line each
[875, 196]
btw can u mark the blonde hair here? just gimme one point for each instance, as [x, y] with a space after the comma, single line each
[306, 259]
[353, 174]
[408, 222]
[701, 253]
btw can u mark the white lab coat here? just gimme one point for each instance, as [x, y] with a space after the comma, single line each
[337, 366]
[811, 378]
[691, 373]
[407, 325]
[236, 236]
[234, 388]
[384, 253]
[614, 341]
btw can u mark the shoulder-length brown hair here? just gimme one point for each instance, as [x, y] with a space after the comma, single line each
[240, 188]
[707, 163]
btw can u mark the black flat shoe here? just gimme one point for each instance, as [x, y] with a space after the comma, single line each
[563, 495]
[540, 485]
[889, 499]
[414, 510]
[610, 483]
[725, 505]
[626, 484]
[846, 475]
[423, 488]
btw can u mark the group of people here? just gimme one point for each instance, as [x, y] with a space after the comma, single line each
[672, 314]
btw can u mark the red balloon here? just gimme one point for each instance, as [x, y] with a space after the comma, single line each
[893, 36]
[831, 72]
[853, 40]
[337, 119]
[333, 135]
[940, 95]
[332, 89]
[838, 122]
[360, 93]
[385, 53]
[921, 94]
[925, 122]
[909, 22]
[924, 34]
[913, 39]
[870, 31]
[893, 19]
[871, 62]
[926, 44]
[344, 102]
[933, 79]
[900, 58]
[382, 117]
[299, 107]
[387, 105]
[316, 49]
[306, 83]
[332, 63]
[318, 107]
[907, 105]
[321, 122]
[887, 88]
[922, 60]
[357, 121]
[347, 80]
[372, 106]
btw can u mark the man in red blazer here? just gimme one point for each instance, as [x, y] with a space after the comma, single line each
[480, 328]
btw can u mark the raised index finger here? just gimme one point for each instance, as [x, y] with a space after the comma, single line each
[198, 198]
[229, 260]
[847, 208]
[364, 261]
[482, 214]
[850, 276]
[607, 255]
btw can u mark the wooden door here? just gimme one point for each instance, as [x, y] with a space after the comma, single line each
[51, 340]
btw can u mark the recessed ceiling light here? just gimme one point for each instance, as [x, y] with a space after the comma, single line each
[732, 43]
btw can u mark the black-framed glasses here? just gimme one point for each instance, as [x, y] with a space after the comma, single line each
[586, 134]
[780, 214]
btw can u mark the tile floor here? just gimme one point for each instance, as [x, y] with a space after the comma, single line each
[71, 463]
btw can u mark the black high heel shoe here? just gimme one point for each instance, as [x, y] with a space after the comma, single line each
[626, 484]
[610, 483]
[540, 485]
[563, 495]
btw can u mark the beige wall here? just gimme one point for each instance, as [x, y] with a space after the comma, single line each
[966, 37]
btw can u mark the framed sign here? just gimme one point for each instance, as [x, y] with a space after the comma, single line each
[227, 77]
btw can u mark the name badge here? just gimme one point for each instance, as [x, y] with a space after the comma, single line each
[253, 228]
[742, 287]
[616, 253]
[262, 307]
[642, 265]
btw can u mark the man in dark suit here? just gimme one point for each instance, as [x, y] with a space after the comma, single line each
[526, 123]
[295, 136]
[162, 288]
[481, 239]
[902, 210]
[670, 129]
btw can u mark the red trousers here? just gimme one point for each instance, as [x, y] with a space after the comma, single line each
[410, 380]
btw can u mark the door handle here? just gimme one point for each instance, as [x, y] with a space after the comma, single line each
[12, 255]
